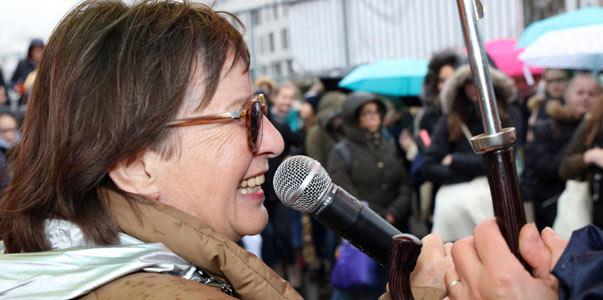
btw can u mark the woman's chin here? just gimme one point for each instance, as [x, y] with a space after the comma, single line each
[254, 222]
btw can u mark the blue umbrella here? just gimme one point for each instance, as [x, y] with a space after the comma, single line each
[393, 77]
[581, 17]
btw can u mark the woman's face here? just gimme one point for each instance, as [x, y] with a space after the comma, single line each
[443, 75]
[369, 117]
[581, 93]
[556, 82]
[214, 175]
[470, 91]
[284, 99]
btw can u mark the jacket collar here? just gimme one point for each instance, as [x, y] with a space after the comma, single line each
[191, 239]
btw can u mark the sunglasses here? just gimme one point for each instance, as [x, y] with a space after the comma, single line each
[253, 114]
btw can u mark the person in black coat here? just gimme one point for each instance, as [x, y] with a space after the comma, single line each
[4, 100]
[463, 200]
[26, 66]
[550, 138]
[450, 158]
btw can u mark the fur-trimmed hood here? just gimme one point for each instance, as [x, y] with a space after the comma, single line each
[503, 86]
[559, 112]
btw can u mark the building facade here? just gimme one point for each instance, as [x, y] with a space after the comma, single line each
[298, 38]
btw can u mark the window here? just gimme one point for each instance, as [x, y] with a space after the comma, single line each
[290, 67]
[262, 47]
[277, 71]
[256, 17]
[271, 42]
[285, 39]
[275, 11]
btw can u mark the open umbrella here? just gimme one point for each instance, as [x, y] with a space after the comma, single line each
[504, 55]
[582, 17]
[394, 77]
[579, 48]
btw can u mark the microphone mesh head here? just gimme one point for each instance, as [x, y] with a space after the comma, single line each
[300, 182]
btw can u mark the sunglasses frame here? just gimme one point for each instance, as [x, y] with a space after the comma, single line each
[245, 113]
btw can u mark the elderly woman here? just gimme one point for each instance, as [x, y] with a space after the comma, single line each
[143, 152]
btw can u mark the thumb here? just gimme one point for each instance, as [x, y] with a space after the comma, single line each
[555, 244]
[534, 251]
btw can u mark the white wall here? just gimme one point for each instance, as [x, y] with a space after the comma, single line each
[387, 29]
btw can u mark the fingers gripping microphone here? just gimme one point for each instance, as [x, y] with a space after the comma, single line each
[304, 185]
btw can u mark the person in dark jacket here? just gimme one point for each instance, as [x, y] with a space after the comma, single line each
[555, 83]
[553, 86]
[326, 131]
[374, 173]
[464, 198]
[367, 165]
[450, 158]
[277, 249]
[441, 67]
[328, 128]
[582, 158]
[4, 100]
[550, 137]
[26, 66]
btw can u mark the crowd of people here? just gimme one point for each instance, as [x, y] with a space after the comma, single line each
[127, 154]
[427, 172]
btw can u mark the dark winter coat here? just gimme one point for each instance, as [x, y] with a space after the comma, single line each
[579, 267]
[544, 159]
[375, 173]
[322, 136]
[466, 164]
[429, 119]
[572, 165]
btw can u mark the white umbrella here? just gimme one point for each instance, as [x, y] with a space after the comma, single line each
[579, 48]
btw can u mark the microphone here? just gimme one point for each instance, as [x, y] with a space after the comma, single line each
[304, 185]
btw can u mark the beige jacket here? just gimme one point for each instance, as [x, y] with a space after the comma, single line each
[194, 241]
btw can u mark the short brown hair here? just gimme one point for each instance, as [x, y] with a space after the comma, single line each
[111, 77]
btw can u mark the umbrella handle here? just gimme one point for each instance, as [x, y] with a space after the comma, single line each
[404, 253]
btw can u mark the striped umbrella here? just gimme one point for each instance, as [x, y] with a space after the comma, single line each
[582, 17]
[579, 48]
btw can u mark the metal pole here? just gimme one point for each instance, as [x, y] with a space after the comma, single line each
[346, 41]
[479, 63]
[496, 143]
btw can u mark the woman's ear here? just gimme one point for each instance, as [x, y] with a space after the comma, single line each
[136, 176]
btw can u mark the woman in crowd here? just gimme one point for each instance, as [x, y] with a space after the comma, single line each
[550, 89]
[366, 164]
[550, 137]
[464, 199]
[141, 161]
[25, 67]
[554, 84]
[582, 159]
[441, 67]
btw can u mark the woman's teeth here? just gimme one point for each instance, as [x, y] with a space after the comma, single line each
[251, 185]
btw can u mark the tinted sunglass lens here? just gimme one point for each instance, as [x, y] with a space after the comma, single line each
[256, 116]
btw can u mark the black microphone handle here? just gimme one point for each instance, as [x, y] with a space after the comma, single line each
[357, 223]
